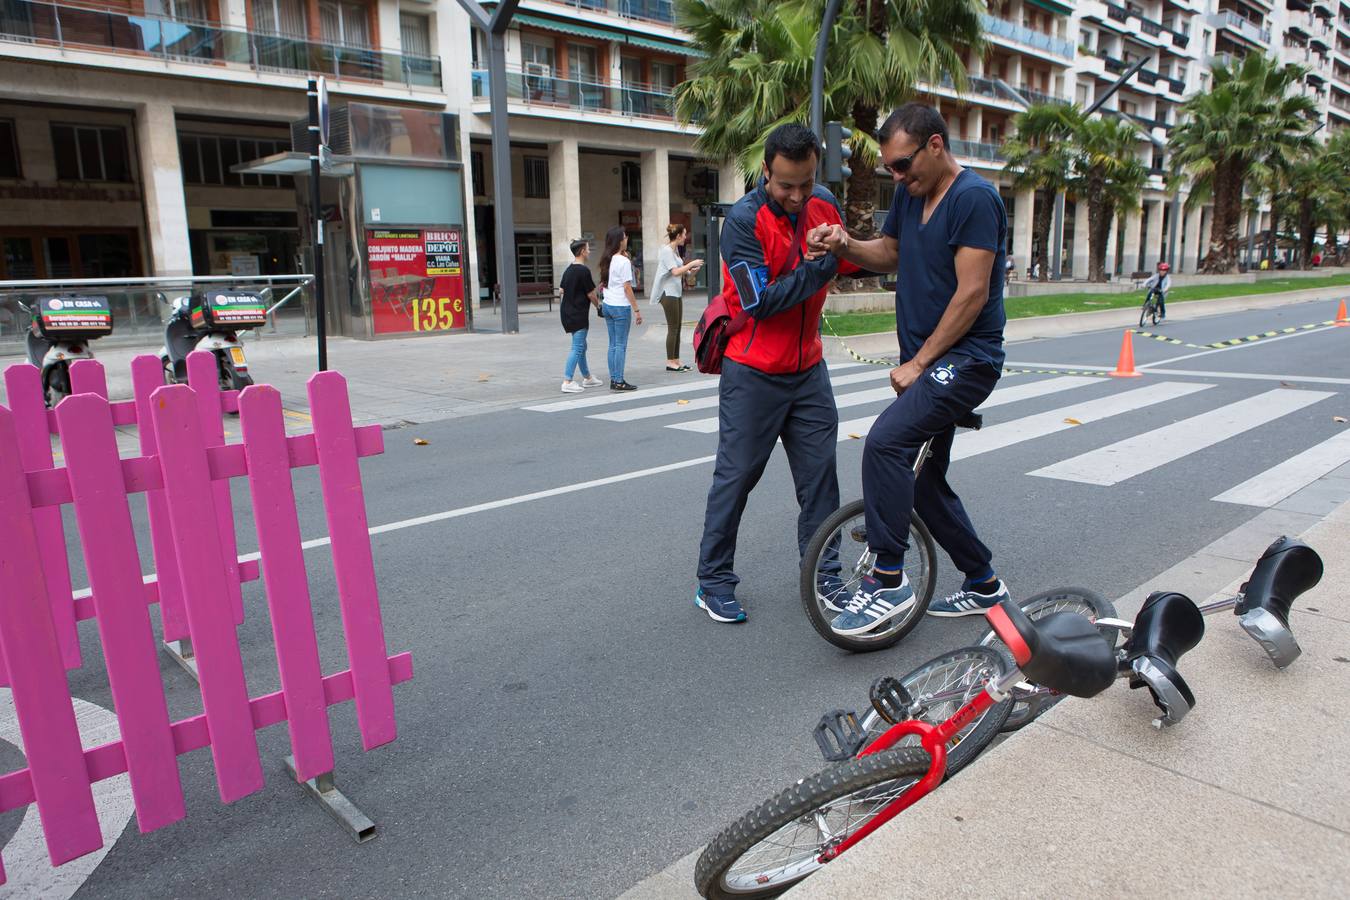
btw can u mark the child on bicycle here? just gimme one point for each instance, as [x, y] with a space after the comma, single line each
[1160, 283]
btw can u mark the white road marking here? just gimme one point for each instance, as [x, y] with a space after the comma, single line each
[666, 409]
[1145, 452]
[1262, 341]
[1292, 475]
[1005, 434]
[1000, 397]
[607, 397]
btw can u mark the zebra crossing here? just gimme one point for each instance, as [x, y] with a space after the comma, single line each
[1075, 406]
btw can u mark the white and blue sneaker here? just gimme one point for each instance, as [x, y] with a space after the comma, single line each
[720, 607]
[832, 592]
[968, 603]
[873, 605]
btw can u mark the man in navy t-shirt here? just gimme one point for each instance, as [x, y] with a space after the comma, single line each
[946, 238]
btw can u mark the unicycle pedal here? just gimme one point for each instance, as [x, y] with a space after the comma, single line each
[890, 699]
[839, 735]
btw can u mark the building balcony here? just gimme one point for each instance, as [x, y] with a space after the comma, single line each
[536, 88]
[979, 86]
[39, 23]
[977, 150]
[1036, 96]
[1029, 37]
[662, 11]
[1247, 29]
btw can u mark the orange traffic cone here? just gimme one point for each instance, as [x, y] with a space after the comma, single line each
[1341, 319]
[1125, 366]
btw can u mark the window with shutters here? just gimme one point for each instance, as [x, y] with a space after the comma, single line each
[285, 17]
[344, 22]
[536, 176]
[415, 32]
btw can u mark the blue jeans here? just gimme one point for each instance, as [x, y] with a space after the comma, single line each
[618, 319]
[577, 356]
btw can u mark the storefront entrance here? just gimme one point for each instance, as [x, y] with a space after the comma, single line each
[69, 253]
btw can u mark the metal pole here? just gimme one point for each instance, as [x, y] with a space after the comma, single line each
[1173, 226]
[818, 69]
[1058, 246]
[317, 208]
[501, 182]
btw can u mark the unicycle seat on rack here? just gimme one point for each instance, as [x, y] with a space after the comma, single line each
[1168, 626]
[1062, 651]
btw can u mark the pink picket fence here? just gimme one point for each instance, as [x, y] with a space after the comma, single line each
[182, 474]
[36, 423]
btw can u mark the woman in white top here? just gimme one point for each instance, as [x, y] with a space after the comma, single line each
[668, 290]
[620, 306]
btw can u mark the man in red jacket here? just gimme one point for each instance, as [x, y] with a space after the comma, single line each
[774, 384]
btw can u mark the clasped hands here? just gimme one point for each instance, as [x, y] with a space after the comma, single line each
[826, 239]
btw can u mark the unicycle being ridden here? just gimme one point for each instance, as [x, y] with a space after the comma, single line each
[1154, 309]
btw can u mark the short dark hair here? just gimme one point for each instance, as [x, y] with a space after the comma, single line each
[916, 120]
[577, 246]
[791, 141]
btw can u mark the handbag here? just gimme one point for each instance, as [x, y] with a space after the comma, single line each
[717, 325]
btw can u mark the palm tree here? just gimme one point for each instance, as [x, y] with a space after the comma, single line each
[1335, 175]
[1039, 157]
[1107, 176]
[1246, 117]
[757, 72]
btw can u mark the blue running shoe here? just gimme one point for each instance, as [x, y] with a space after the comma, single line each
[720, 607]
[968, 603]
[832, 592]
[872, 606]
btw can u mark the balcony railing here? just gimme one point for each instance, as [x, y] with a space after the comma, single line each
[541, 89]
[41, 23]
[1036, 96]
[985, 87]
[1247, 28]
[648, 10]
[1119, 13]
[1028, 36]
[976, 150]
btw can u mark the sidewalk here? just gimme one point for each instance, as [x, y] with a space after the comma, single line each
[1245, 797]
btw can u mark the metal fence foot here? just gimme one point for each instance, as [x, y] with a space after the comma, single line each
[322, 789]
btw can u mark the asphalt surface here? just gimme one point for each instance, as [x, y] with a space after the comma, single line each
[574, 723]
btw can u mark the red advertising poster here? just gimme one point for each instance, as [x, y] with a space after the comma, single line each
[416, 279]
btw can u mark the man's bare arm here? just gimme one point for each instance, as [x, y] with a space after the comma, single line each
[880, 255]
[973, 267]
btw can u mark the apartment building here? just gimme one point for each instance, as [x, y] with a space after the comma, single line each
[153, 137]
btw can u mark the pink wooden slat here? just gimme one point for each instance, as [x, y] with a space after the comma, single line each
[109, 760]
[84, 606]
[206, 591]
[359, 598]
[204, 379]
[51, 739]
[278, 526]
[229, 401]
[23, 385]
[147, 374]
[51, 487]
[109, 540]
[87, 377]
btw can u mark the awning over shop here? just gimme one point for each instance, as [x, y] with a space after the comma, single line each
[292, 162]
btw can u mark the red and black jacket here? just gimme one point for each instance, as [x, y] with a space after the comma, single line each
[769, 278]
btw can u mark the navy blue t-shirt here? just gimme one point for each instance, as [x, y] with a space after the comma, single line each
[971, 214]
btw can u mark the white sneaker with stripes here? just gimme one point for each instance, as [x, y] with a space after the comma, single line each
[873, 605]
[968, 603]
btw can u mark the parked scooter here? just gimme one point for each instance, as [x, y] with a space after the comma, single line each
[211, 321]
[59, 332]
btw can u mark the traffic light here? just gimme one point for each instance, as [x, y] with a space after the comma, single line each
[837, 153]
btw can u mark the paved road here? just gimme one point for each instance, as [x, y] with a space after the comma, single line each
[575, 724]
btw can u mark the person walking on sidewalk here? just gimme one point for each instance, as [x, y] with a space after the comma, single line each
[668, 290]
[619, 305]
[579, 294]
[945, 237]
[774, 380]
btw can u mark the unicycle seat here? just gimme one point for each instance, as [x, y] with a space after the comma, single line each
[1168, 626]
[1062, 651]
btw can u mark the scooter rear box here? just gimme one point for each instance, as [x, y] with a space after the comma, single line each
[74, 318]
[228, 309]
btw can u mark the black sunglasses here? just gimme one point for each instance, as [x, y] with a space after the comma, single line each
[901, 165]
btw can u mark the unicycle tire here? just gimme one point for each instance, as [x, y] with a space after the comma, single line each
[856, 561]
[764, 842]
